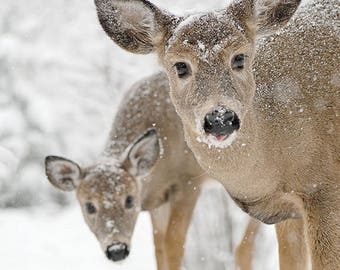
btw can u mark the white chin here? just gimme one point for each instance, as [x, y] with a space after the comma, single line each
[212, 142]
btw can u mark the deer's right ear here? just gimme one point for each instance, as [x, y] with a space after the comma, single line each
[64, 174]
[142, 154]
[263, 17]
[135, 25]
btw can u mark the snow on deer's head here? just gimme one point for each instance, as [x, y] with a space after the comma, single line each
[207, 56]
[109, 192]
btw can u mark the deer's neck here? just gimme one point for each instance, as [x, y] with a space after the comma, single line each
[242, 167]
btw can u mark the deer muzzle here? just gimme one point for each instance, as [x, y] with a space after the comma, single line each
[117, 252]
[221, 123]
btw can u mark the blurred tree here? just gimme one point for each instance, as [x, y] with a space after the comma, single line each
[60, 81]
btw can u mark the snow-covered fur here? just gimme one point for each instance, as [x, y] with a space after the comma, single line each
[145, 164]
[284, 160]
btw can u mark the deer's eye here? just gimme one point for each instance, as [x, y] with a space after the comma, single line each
[129, 202]
[182, 69]
[238, 62]
[90, 208]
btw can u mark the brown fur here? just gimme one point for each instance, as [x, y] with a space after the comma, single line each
[247, 245]
[292, 256]
[284, 161]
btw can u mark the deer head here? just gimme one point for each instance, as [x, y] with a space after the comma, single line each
[208, 57]
[109, 192]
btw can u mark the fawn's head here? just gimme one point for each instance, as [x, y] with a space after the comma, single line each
[109, 192]
[207, 56]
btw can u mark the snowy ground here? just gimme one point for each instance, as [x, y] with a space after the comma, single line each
[55, 239]
[59, 239]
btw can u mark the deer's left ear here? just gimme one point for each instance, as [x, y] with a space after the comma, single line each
[141, 155]
[263, 17]
[135, 25]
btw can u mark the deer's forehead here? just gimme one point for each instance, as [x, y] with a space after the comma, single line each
[107, 184]
[205, 35]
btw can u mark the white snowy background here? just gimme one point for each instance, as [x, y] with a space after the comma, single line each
[61, 79]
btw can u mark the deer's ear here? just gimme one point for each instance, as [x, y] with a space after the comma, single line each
[142, 154]
[272, 15]
[264, 17]
[135, 25]
[62, 173]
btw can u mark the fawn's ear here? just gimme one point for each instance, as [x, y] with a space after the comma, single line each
[142, 154]
[64, 174]
[135, 25]
[264, 17]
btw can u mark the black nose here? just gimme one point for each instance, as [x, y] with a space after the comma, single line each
[117, 252]
[221, 122]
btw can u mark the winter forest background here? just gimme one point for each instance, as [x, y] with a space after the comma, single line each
[61, 79]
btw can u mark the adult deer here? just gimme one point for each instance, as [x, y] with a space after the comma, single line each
[260, 114]
[132, 176]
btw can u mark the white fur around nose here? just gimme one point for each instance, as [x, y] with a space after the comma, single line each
[212, 142]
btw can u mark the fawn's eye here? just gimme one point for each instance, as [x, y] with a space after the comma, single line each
[238, 62]
[182, 69]
[90, 208]
[129, 202]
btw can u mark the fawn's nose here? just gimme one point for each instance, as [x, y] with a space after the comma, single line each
[221, 122]
[117, 252]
